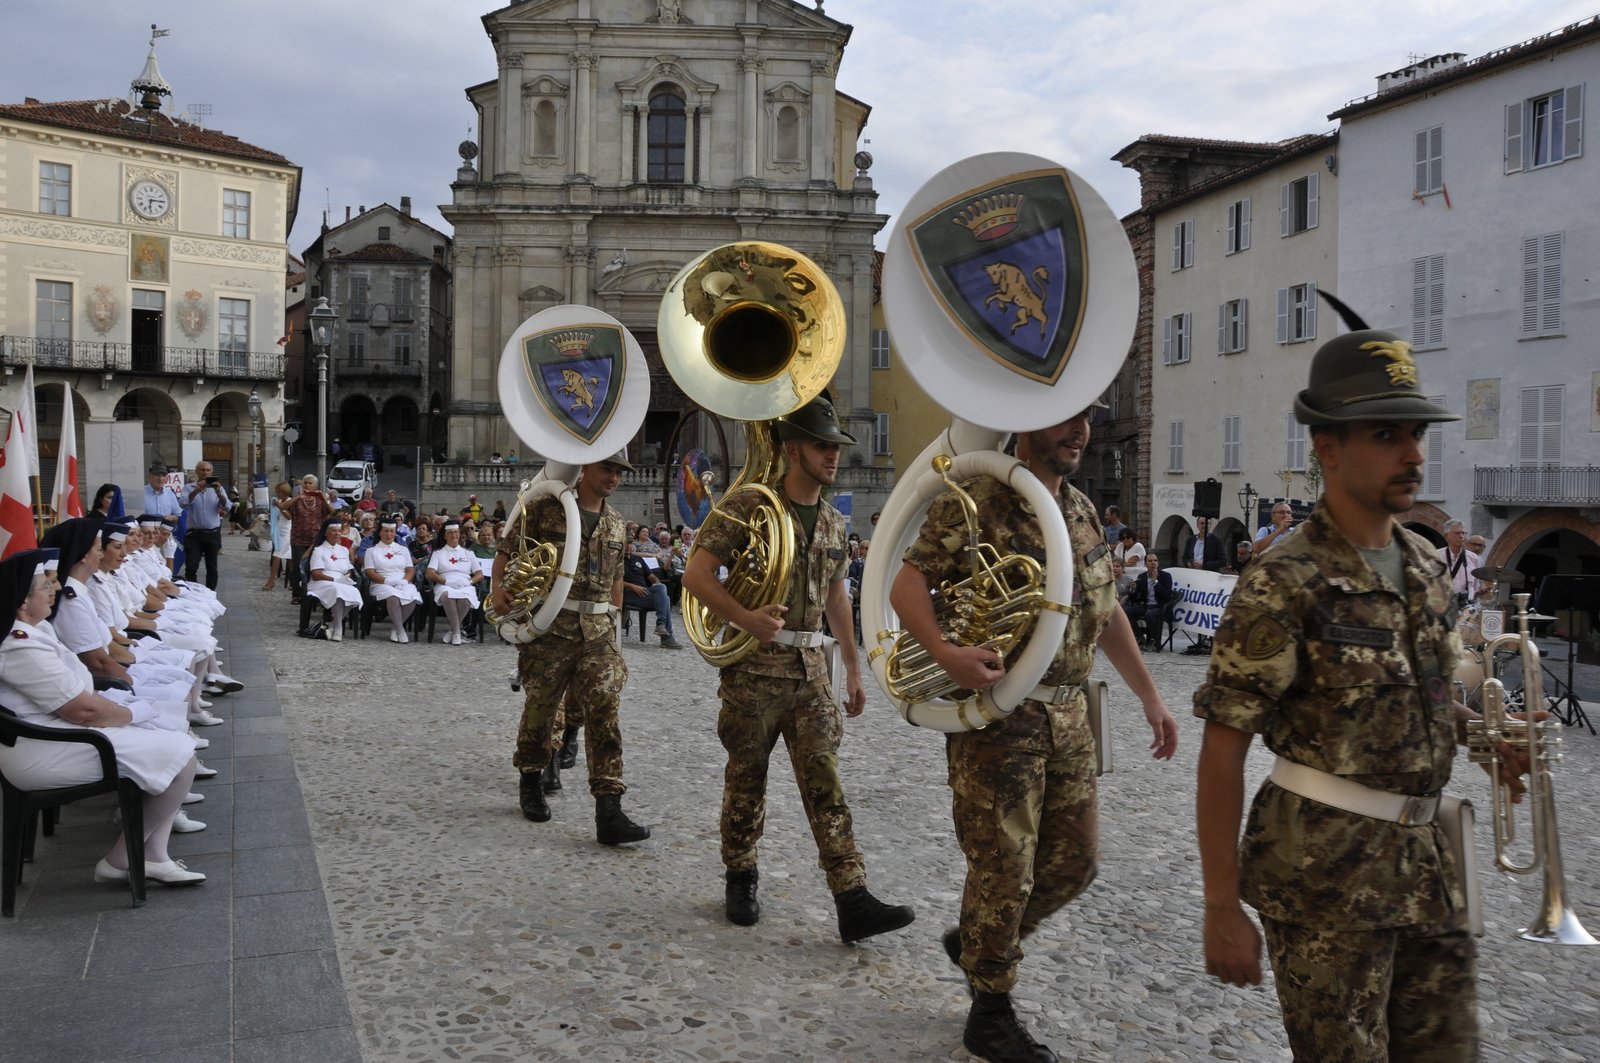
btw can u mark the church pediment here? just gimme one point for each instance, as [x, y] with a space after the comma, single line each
[651, 276]
[788, 92]
[666, 67]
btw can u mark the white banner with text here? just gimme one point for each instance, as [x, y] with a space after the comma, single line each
[1202, 596]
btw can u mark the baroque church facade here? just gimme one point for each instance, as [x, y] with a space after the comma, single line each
[619, 140]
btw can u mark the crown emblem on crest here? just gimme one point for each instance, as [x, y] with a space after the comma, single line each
[572, 343]
[992, 216]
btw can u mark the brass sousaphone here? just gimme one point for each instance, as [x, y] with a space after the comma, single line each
[575, 387]
[752, 331]
[1011, 293]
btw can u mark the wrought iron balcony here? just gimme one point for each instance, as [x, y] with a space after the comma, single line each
[381, 372]
[1545, 485]
[139, 358]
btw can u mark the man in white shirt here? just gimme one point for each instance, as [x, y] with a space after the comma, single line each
[1459, 562]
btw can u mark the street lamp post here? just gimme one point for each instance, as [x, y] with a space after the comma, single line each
[255, 430]
[322, 318]
[1247, 502]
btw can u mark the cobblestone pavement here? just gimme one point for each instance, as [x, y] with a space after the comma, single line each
[466, 932]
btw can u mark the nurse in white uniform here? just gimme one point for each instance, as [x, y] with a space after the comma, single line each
[333, 580]
[391, 571]
[453, 570]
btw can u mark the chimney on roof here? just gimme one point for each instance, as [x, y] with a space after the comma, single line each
[361, 209]
[405, 205]
[347, 212]
[1419, 69]
[29, 99]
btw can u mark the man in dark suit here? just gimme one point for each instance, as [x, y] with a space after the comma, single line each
[1203, 549]
[1147, 602]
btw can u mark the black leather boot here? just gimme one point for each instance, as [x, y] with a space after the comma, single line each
[994, 1033]
[612, 825]
[861, 915]
[740, 904]
[531, 797]
[952, 949]
[552, 776]
[569, 746]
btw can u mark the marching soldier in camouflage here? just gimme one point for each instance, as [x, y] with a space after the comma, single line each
[784, 689]
[577, 656]
[1338, 647]
[1024, 787]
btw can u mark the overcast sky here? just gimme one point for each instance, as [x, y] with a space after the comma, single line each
[367, 95]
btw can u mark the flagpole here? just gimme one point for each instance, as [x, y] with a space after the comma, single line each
[38, 507]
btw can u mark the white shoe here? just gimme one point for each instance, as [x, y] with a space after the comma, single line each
[336, 634]
[226, 682]
[182, 824]
[404, 636]
[193, 798]
[201, 718]
[172, 873]
[459, 640]
[104, 872]
[203, 772]
[394, 636]
[199, 743]
[202, 703]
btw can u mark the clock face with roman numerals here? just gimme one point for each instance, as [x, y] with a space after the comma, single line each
[150, 200]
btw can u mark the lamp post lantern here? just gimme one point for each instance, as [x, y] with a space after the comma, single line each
[322, 320]
[1247, 502]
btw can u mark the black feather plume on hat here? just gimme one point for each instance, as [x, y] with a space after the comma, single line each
[1352, 320]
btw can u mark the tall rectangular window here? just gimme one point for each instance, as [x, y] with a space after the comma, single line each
[357, 347]
[55, 188]
[1433, 459]
[1427, 301]
[233, 333]
[1540, 440]
[1183, 245]
[1428, 168]
[1233, 326]
[1238, 226]
[235, 214]
[52, 317]
[400, 305]
[1230, 444]
[1298, 210]
[666, 129]
[880, 348]
[1541, 284]
[400, 348]
[357, 310]
[880, 434]
[1175, 447]
[1544, 130]
[1297, 313]
[1175, 332]
[1295, 459]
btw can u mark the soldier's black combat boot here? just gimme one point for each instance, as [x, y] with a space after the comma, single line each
[552, 776]
[861, 915]
[569, 746]
[741, 905]
[612, 825]
[531, 797]
[993, 1033]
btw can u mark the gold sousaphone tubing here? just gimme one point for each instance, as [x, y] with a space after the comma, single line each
[753, 331]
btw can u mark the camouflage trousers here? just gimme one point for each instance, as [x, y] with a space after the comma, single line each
[572, 681]
[1026, 822]
[1369, 996]
[756, 711]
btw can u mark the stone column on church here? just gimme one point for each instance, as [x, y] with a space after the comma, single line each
[822, 112]
[702, 146]
[583, 69]
[689, 146]
[629, 164]
[579, 262]
[750, 126]
[511, 115]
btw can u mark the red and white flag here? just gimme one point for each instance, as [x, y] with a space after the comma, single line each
[25, 404]
[65, 498]
[16, 497]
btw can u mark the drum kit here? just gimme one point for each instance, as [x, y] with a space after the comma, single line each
[1474, 668]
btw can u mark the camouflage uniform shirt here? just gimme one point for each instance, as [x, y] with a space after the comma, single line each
[817, 566]
[1338, 670]
[599, 564]
[1009, 524]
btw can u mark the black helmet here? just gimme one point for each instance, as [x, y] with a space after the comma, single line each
[1364, 375]
[814, 420]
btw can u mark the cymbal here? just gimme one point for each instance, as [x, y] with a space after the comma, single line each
[1538, 616]
[1496, 574]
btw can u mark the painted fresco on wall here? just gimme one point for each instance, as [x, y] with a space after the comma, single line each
[1483, 409]
[149, 258]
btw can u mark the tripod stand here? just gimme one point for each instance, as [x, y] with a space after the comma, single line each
[1576, 592]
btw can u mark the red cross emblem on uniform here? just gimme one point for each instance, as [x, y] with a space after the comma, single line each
[389, 555]
[333, 557]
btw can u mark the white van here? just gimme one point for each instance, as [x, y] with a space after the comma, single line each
[350, 478]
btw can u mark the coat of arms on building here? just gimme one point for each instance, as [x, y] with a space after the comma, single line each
[101, 309]
[192, 314]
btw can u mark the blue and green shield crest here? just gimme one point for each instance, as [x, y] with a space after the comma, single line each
[1008, 263]
[577, 373]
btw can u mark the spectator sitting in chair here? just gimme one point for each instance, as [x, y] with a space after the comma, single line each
[640, 583]
[1146, 604]
[1243, 551]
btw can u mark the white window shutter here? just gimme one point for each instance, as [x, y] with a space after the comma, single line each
[1433, 457]
[1550, 249]
[1188, 243]
[1244, 227]
[1233, 228]
[1311, 199]
[1311, 312]
[1188, 334]
[1419, 181]
[1285, 209]
[1166, 341]
[1419, 301]
[1283, 315]
[1436, 157]
[1177, 247]
[1513, 160]
[1222, 328]
[1436, 301]
[1574, 131]
[1528, 440]
[1530, 286]
[1244, 323]
[1550, 411]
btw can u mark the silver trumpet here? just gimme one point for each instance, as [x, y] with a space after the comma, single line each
[1556, 922]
